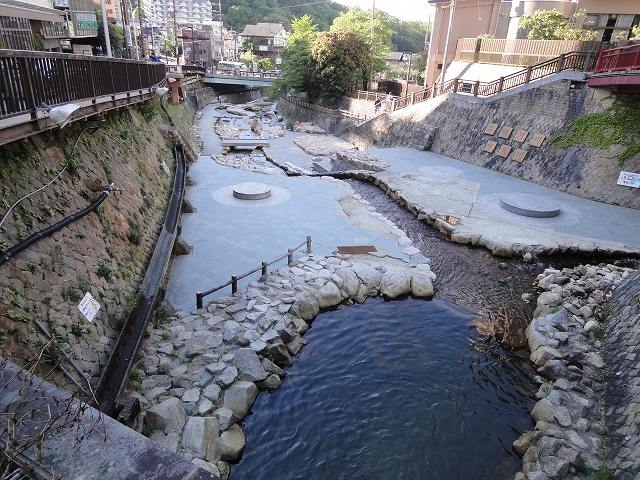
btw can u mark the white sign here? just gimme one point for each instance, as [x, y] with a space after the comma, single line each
[628, 179]
[61, 3]
[89, 307]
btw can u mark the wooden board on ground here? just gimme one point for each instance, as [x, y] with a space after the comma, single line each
[355, 249]
[521, 136]
[504, 151]
[491, 128]
[505, 132]
[537, 140]
[490, 146]
[244, 143]
[519, 155]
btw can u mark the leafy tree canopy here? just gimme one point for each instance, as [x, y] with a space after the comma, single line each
[297, 53]
[339, 57]
[116, 36]
[551, 25]
[359, 22]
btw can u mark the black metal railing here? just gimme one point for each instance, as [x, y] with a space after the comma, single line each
[30, 79]
[262, 268]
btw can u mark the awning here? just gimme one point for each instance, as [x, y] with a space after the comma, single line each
[15, 8]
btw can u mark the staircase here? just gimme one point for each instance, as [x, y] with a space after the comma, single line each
[578, 61]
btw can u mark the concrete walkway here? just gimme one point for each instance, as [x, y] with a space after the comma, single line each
[231, 236]
[439, 184]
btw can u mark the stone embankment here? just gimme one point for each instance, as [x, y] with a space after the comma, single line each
[200, 374]
[566, 343]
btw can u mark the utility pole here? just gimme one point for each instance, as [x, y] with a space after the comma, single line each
[373, 19]
[406, 92]
[142, 49]
[175, 32]
[127, 30]
[105, 29]
[452, 6]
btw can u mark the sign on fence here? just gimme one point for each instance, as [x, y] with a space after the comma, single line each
[89, 307]
[628, 179]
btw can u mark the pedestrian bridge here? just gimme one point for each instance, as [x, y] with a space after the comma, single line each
[249, 79]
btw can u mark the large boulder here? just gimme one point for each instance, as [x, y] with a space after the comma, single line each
[395, 283]
[305, 306]
[239, 397]
[168, 416]
[277, 352]
[350, 280]
[232, 442]
[329, 295]
[249, 366]
[200, 436]
[421, 285]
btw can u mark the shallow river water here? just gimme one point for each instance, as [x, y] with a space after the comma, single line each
[389, 390]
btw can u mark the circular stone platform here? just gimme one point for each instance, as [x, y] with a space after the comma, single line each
[528, 205]
[251, 191]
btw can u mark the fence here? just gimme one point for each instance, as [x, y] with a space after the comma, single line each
[519, 51]
[262, 268]
[617, 59]
[30, 79]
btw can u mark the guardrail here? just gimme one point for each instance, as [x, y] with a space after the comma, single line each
[618, 59]
[366, 95]
[262, 268]
[583, 61]
[30, 79]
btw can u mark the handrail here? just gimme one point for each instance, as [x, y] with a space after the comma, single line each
[30, 79]
[620, 58]
[567, 61]
[262, 268]
[244, 73]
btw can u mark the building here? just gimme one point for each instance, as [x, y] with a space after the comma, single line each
[188, 13]
[611, 19]
[266, 40]
[60, 25]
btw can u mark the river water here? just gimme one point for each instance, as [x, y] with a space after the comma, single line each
[392, 390]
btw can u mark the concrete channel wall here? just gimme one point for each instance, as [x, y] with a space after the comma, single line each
[622, 345]
[453, 125]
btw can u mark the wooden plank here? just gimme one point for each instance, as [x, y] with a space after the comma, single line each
[355, 249]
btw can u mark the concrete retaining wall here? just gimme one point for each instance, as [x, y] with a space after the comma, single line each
[622, 345]
[104, 253]
[331, 122]
[453, 125]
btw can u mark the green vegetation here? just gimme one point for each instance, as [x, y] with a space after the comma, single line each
[70, 294]
[604, 473]
[165, 335]
[339, 56]
[104, 270]
[600, 331]
[617, 125]
[116, 36]
[635, 33]
[136, 376]
[551, 25]
[605, 373]
[297, 53]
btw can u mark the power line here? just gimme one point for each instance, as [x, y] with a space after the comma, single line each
[305, 4]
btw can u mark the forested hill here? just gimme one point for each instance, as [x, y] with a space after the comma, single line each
[407, 36]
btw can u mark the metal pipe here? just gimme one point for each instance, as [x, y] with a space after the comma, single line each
[105, 28]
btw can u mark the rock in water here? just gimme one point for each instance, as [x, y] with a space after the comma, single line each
[421, 285]
[200, 436]
[239, 397]
[329, 295]
[232, 442]
[395, 283]
[249, 366]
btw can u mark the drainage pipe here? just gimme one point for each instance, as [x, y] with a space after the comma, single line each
[27, 242]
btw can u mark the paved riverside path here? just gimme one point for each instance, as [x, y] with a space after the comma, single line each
[446, 185]
[232, 236]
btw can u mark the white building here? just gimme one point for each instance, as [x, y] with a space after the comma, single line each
[187, 12]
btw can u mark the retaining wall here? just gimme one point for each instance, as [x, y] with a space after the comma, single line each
[323, 117]
[453, 125]
[104, 253]
[623, 387]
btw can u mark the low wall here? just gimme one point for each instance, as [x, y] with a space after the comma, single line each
[297, 111]
[623, 387]
[453, 125]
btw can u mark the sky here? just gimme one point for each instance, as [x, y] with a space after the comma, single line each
[403, 9]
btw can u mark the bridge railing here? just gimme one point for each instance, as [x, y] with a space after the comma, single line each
[245, 73]
[618, 59]
[30, 79]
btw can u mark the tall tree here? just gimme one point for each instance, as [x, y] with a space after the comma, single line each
[297, 53]
[339, 56]
[551, 25]
[358, 22]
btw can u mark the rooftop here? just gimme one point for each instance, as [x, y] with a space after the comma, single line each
[262, 30]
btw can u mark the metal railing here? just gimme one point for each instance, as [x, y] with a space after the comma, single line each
[262, 268]
[245, 73]
[582, 61]
[619, 59]
[30, 79]
[366, 95]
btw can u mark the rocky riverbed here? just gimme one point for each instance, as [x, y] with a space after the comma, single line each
[565, 340]
[201, 372]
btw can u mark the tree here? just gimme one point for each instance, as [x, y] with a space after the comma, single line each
[635, 33]
[359, 22]
[248, 57]
[266, 63]
[409, 36]
[297, 53]
[551, 25]
[339, 56]
[116, 37]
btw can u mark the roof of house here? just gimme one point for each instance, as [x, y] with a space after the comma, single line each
[402, 57]
[262, 30]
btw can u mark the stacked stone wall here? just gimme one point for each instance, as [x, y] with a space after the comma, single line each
[104, 253]
[453, 125]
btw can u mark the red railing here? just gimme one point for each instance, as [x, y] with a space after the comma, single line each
[616, 59]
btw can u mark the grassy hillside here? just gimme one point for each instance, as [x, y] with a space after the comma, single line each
[407, 36]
